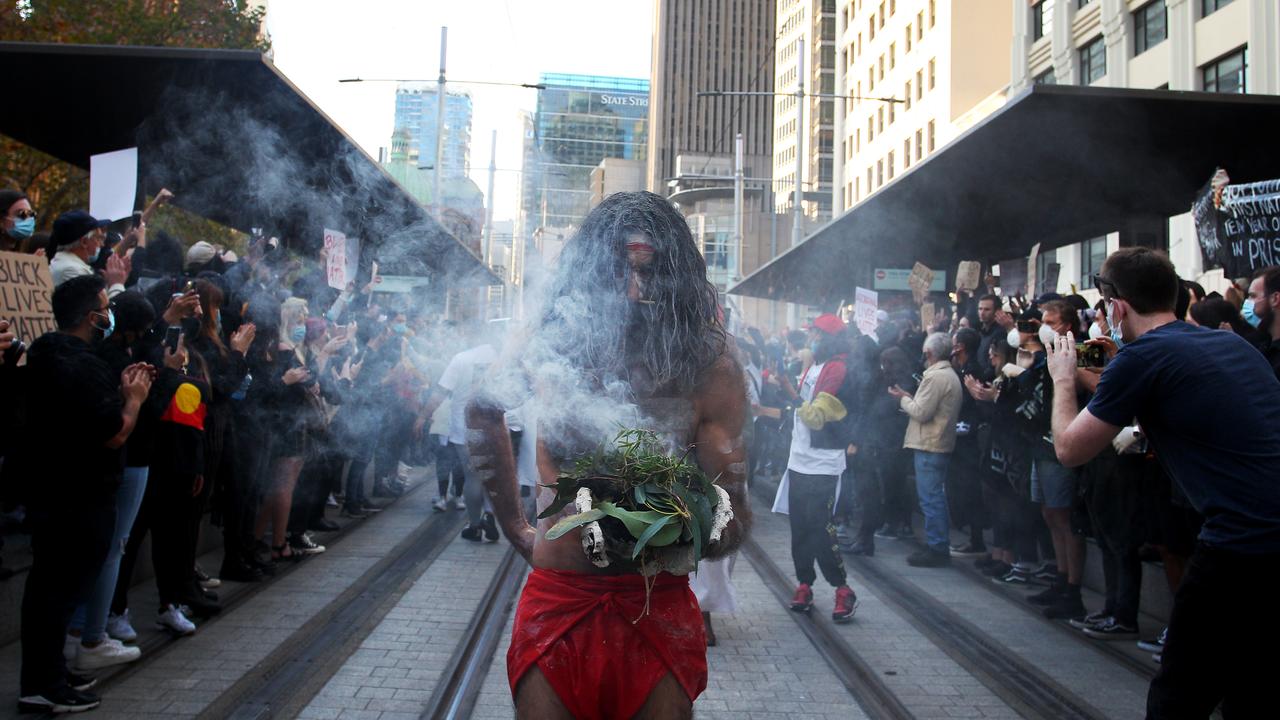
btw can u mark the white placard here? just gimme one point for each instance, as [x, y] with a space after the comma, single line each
[113, 184]
[865, 304]
[343, 258]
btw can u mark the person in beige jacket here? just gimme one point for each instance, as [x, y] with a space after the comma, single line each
[931, 433]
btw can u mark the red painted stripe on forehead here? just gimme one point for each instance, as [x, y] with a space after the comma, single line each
[639, 247]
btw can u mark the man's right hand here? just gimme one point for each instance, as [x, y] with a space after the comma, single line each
[181, 307]
[176, 359]
[6, 337]
[135, 383]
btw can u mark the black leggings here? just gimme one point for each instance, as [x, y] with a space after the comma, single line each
[813, 536]
[166, 512]
[447, 468]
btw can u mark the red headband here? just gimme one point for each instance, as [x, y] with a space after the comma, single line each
[639, 247]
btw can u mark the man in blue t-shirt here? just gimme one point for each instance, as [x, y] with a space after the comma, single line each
[1210, 406]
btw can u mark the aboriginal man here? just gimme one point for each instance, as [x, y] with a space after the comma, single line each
[629, 314]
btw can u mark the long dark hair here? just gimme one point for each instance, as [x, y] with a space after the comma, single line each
[674, 333]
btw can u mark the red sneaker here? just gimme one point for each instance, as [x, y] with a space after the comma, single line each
[803, 599]
[846, 604]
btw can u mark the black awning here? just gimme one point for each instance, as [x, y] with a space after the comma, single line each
[1056, 165]
[234, 139]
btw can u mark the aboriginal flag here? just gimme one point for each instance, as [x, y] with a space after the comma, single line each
[187, 407]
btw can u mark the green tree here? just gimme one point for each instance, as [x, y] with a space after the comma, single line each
[56, 186]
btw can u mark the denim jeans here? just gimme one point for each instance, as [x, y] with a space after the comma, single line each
[931, 487]
[90, 618]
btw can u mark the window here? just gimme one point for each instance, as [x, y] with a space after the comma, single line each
[906, 153]
[919, 145]
[871, 28]
[932, 136]
[932, 74]
[1046, 78]
[871, 78]
[919, 84]
[890, 164]
[1209, 7]
[871, 129]
[920, 25]
[908, 37]
[907, 94]
[933, 13]
[879, 173]
[1092, 253]
[1093, 61]
[893, 7]
[1041, 19]
[891, 112]
[857, 140]
[868, 178]
[881, 14]
[880, 63]
[1150, 27]
[1226, 74]
[880, 119]
[893, 55]
[1080, 4]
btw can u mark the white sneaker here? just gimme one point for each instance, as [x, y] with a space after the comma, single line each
[69, 647]
[458, 502]
[440, 504]
[119, 627]
[172, 619]
[403, 470]
[108, 652]
[331, 501]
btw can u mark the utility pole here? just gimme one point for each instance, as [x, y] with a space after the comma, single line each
[738, 182]
[797, 210]
[488, 210]
[436, 197]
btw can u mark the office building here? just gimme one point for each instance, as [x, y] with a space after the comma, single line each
[615, 175]
[580, 120]
[811, 25]
[946, 64]
[1227, 46]
[710, 45]
[417, 105]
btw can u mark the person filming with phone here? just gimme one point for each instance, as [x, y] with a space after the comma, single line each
[1209, 405]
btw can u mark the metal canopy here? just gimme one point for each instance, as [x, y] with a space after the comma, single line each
[1056, 165]
[236, 141]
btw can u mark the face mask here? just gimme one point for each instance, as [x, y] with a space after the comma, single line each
[400, 328]
[1014, 338]
[111, 324]
[1047, 336]
[1250, 316]
[217, 323]
[22, 229]
[1117, 335]
[1095, 331]
[299, 334]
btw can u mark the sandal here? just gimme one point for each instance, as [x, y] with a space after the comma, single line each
[279, 553]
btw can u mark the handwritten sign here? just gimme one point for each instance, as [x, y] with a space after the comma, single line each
[342, 258]
[920, 279]
[967, 276]
[1242, 235]
[864, 310]
[26, 293]
[928, 313]
[113, 184]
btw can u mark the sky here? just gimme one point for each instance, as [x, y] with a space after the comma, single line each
[318, 42]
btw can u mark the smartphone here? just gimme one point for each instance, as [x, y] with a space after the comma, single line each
[1089, 356]
[171, 336]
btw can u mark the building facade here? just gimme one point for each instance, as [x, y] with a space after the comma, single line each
[417, 106]
[918, 72]
[811, 25]
[580, 120]
[705, 46]
[1228, 46]
[615, 175]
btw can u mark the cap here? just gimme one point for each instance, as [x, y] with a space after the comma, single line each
[72, 225]
[200, 254]
[828, 323]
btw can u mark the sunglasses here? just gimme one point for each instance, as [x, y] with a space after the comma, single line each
[25, 214]
[1106, 287]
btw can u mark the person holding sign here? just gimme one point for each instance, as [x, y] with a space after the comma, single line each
[1224, 460]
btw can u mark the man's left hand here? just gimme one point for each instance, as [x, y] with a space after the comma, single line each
[1062, 359]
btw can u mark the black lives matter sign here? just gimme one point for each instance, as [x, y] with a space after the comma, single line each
[26, 293]
[1240, 232]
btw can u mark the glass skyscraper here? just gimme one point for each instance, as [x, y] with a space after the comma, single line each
[416, 107]
[580, 120]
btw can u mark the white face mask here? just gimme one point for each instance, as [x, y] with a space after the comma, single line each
[1095, 331]
[1047, 336]
[1015, 338]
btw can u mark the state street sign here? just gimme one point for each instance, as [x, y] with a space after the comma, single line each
[896, 279]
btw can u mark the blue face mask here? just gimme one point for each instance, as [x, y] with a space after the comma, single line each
[400, 328]
[111, 324]
[1116, 335]
[1250, 316]
[299, 334]
[23, 229]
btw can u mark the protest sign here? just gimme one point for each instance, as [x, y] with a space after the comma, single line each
[1241, 235]
[920, 279]
[967, 275]
[113, 184]
[26, 292]
[1052, 271]
[927, 313]
[864, 310]
[1032, 288]
[342, 258]
[896, 279]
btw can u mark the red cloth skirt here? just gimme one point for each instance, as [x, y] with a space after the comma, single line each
[591, 638]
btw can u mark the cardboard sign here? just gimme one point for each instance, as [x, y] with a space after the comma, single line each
[864, 310]
[927, 313]
[113, 184]
[343, 258]
[26, 295]
[968, 275]
[1052, 271]
[1032, 288]
[920, 279]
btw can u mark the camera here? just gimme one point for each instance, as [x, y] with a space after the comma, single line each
[1089, 356]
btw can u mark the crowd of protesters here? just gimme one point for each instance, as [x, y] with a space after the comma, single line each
[183, 384]
[952, 419]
